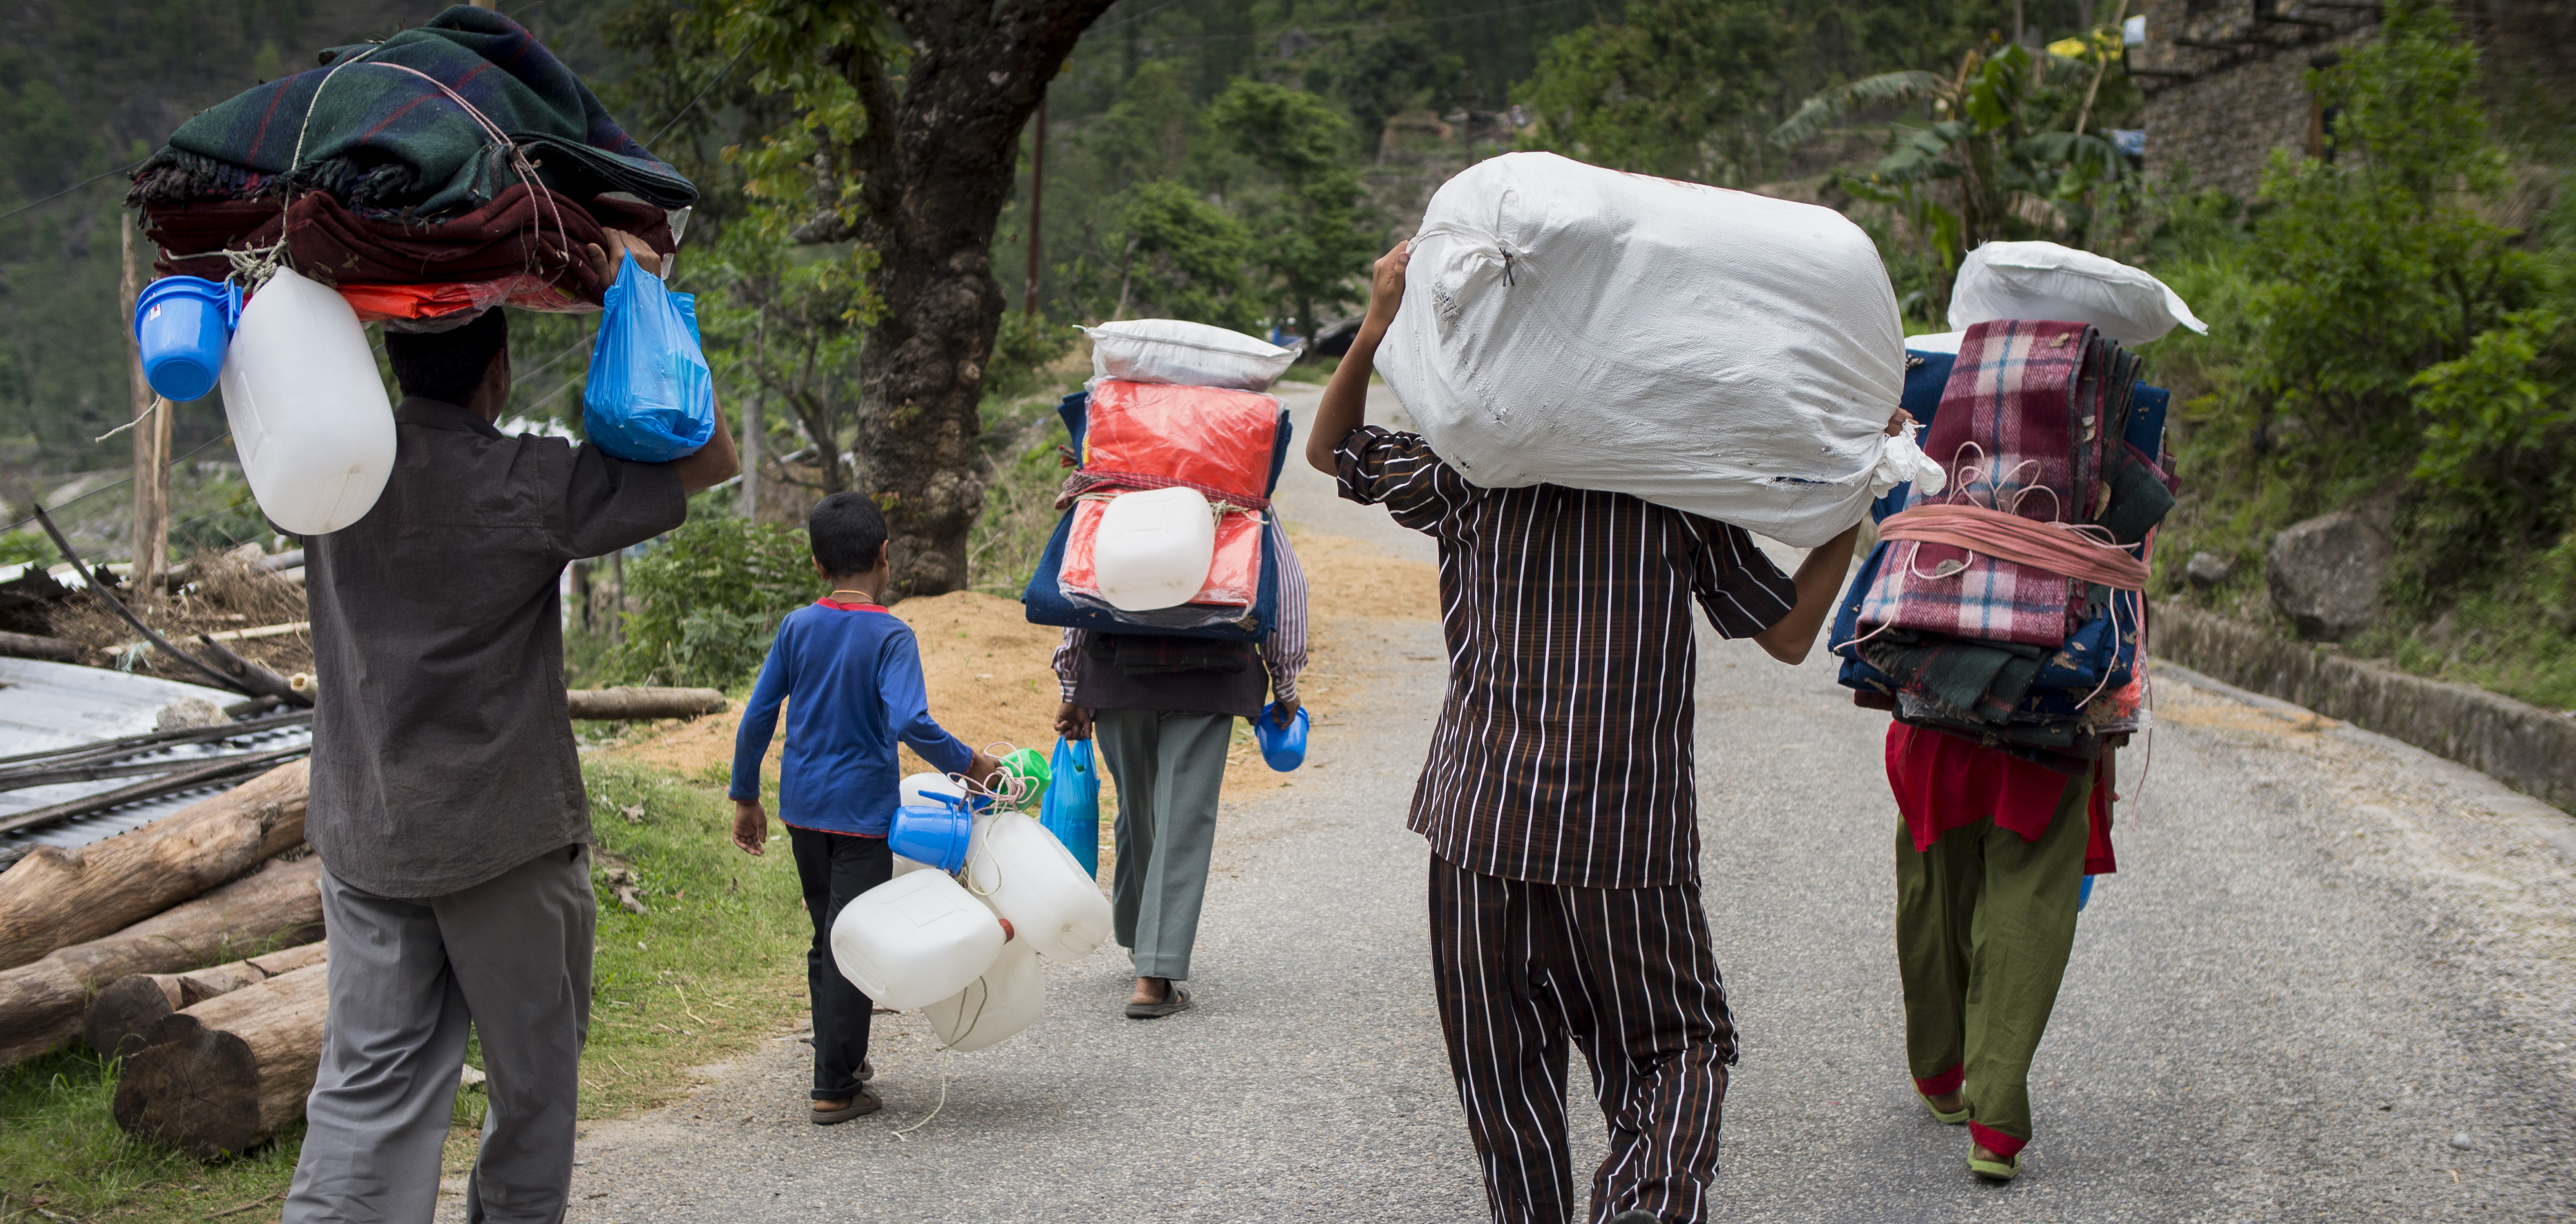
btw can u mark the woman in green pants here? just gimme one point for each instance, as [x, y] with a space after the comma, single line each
[1991, 855]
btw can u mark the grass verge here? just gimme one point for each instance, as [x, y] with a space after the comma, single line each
[713, 967]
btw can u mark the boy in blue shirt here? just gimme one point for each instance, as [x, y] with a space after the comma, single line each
[854, 673]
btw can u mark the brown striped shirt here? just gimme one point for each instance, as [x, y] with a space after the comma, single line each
[1563, 752]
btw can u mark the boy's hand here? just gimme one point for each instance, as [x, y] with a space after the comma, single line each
[1901, 422]
[1386, 286]
[1287, 711]
[750, 827]
[1072, 722]
[985, 770]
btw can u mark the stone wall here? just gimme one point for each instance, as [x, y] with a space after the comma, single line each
[2225, 79]
[2225, 83]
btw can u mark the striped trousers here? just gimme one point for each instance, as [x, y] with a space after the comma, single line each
[1625, 973]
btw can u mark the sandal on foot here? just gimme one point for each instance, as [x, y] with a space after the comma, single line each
[1945, 1119]
[1177, 1001]
[864, 1103]
[1995, 1170]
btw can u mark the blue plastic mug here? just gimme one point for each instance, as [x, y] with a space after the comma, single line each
[933, 835]
[183, 324]
[1284, 748]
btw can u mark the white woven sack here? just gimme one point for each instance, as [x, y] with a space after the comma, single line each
[1713, 351]
[1186, 354]
[2042, 280]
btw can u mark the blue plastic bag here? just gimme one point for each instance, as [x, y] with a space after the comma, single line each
[1072, 808]
[649, 398]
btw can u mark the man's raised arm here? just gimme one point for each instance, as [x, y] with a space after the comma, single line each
[1345, 403]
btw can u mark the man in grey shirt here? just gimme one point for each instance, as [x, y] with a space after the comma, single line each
[447, 803]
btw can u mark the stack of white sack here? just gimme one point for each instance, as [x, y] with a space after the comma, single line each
[962, 948]
[1713, 351]
[2042, 280]
[1181, 353]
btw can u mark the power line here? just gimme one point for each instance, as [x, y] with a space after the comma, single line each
[120, 482]
[1193, 39]
[67, 191]
[676, 116]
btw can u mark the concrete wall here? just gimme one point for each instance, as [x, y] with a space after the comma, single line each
[2525, 747]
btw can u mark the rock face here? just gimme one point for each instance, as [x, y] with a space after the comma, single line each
[2324, 574]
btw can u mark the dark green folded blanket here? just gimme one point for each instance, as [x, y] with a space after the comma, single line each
[383, 140]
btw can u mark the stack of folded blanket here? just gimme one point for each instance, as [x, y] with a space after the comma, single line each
[460, 154]
[2010, 608]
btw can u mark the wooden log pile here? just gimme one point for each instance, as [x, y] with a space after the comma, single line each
[42, 1003]
[188, 947]
[219, 1078]
[123, 1016]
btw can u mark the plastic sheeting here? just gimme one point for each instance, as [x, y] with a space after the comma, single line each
[1213, 440]
[1714, 351]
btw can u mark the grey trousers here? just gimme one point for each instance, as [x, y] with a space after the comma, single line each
[512, 957]
[1168, 766]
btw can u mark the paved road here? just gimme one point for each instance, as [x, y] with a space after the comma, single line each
[2336, 981]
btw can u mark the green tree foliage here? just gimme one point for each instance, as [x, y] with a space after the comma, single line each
[2383, 265]
[1312, 233]
[708, 599]
[2013, 148]
[1664, 91]
[1174, 256]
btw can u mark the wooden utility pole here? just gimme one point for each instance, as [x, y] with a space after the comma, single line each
[151, 446]
[753, 429]
[1037, 199]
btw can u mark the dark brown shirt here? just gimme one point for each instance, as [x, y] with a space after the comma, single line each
[1563, 752]
[442, 749]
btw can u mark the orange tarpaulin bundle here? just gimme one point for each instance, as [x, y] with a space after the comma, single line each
[1153, 435]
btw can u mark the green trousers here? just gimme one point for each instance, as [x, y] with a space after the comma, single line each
[1984, 922]
[1168, 766]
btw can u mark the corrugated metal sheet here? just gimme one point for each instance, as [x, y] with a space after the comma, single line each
[59, 705]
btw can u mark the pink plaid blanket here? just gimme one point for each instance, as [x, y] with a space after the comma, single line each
[2020, 429]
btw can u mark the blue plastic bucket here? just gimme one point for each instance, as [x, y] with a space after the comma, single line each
[1284, 748]
[935, 834]
[183, 324]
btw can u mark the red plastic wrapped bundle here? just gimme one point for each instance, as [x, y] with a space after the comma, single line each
[1234, 574]
[1149, 435]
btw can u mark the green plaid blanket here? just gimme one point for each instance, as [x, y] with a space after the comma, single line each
[387, 141]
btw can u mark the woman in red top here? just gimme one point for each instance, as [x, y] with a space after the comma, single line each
[1991, 855]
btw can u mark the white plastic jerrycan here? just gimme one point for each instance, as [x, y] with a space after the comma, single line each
[913, 941]
[1028, 877]
[999, 1004]
[1153, 548]
[308, 413]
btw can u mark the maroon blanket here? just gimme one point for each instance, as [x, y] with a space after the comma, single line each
[545, 235]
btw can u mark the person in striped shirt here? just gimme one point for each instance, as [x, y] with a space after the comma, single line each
[1164, 710]
[1560, 804]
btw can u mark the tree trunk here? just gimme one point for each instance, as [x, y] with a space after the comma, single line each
[936, 164]
[55, 898]
[219, 1078]
[639, 704]
[120, 1022]
[41, 1004]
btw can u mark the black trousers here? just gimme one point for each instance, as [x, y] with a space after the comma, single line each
[1626, 974]
[834, 868]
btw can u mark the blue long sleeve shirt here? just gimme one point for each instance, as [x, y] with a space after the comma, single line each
[851, 677]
